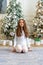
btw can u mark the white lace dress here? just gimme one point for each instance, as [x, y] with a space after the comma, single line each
[21, 42]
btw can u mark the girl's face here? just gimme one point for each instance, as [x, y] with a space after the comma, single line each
[21, 23]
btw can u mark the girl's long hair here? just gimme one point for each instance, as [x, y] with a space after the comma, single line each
[19, 30]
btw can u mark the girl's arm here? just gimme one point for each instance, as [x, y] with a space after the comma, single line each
[15, 40]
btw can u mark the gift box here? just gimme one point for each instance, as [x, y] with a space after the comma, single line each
[32, 41]
[9, 42]
[42, 41]
[37, 41]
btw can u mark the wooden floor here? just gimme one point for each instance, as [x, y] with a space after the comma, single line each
[33, 45]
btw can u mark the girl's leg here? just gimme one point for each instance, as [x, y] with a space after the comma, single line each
[25, 49]
[18, 48]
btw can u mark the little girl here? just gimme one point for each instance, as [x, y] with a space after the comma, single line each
[21, 40]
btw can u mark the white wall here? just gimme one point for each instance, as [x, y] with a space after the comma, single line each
[29, 8]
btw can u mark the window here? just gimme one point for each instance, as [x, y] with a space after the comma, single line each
[3, 6]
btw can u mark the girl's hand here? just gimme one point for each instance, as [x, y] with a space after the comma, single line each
[29, 49]
[13, 49]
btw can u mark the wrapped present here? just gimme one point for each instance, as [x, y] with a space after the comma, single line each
[9, 42]
[32, 41]
[42, 41]
[4, 42]
[37, 41]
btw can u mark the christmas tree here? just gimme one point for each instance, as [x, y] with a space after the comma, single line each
[38, 20]
[14, 13]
